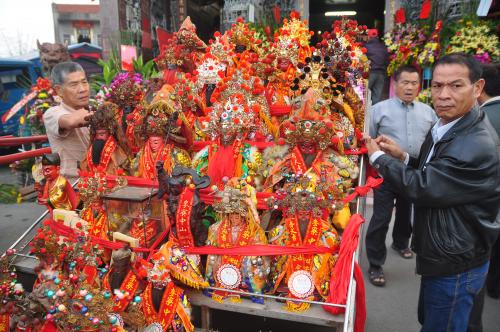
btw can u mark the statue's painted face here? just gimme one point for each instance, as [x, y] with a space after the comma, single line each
[235, 218]
[307, 146]
[283, 64]
[50, 172]
[303, 214]
[155, 142]
[102, 134]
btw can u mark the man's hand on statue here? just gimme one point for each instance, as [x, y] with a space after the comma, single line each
[371, 144]
[390, 147]
[84, 116]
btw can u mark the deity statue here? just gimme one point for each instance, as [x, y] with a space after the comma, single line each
[108, 149]
[238, 113]
[305, 223]
[290, 47]
[238, 226]
[160, 129]
[57, 192]
[180, 53]
[164, 303]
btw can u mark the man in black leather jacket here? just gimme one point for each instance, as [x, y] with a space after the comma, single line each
[456, 193]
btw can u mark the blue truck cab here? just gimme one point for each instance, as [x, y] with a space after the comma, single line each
[16, 77]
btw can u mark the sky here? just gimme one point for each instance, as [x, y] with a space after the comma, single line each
[22, 22]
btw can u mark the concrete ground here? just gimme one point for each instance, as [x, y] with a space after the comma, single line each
[392, 308]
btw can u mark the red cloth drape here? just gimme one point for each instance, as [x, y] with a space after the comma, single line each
[339, 283]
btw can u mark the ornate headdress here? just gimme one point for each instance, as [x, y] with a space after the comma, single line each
[292, 40]
[343, 53]
[221, 48]
[156, 119]
[301, 193]
[105, 117]
[126, 91]
[158, 273]
[231, 115]
[234, 198]
[310, 122]
[210, 70]
[242, 36]
[178, 49]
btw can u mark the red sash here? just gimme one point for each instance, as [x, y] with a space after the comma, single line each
[312, 238]
[183, 217]
[225, 240]
[97, 226]
[130, 284]
[299, 166]
[106, 154]
[168, 306]
[149, 163]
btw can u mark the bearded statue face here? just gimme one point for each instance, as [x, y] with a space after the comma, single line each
[155, 142]
[50, 172]
[102, 134]
[303, 214]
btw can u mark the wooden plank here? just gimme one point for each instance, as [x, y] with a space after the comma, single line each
[130, 193]
[272, 309]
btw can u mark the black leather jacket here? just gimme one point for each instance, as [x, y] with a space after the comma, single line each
[456, 196]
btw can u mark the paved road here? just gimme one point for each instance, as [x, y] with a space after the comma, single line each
[392, 308]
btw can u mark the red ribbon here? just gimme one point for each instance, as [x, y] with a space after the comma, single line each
[363, 190]
[260, 250]
[341, 276]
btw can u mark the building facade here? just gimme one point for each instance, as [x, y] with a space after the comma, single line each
[77, 23]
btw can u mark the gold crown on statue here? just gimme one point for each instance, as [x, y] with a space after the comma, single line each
[301, 193]
[233, 199]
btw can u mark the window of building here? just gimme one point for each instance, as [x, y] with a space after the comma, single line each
[67, 38]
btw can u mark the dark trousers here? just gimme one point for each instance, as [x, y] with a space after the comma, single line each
[376, 82]
[445, 303]
[383, 205]
[492, 287]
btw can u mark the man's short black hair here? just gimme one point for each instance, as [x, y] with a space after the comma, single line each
[491, 76]
[405, 69]
[464, 60]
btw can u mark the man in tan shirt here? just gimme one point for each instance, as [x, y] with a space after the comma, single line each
[66, 123]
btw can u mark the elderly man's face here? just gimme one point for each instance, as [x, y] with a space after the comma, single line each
[453, 94]
[407, 86]
[75, 90]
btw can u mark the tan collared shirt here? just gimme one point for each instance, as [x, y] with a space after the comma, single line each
[70, 144]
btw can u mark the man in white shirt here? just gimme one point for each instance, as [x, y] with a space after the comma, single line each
[406, 121]
[66, 123]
